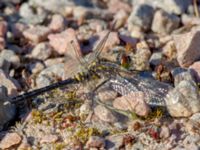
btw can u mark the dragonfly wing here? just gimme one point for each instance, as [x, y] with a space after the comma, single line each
[97, 51]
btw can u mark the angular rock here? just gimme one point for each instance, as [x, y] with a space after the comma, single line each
[134, 101]
[57, 23]
[50, 74]
[10, 140]
[52, 5]
[164, 23]
[42, 51]
[180, 74]
[171, 6]
[7, 110]
[61, 42]
[188, 47]
[104, 114]
[32, 15]
[11, 84]
[95, 142]
[36, 34]
[183, 100]
[11, 57]
[141, 16]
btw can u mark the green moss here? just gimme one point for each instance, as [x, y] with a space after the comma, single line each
[83, 133]
[59, 146]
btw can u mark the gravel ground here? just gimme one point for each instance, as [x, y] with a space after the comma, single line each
[142, 93]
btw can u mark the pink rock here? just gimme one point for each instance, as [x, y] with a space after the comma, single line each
[61, 42]
[3, 28]
[10, 140]
[49, 138]
[2, 43]
[36, 34]
[115, 5]
[135, 101]
[57, 23]
[18, 28]
[11, 84]
[188, 47]
[195, 69]
[113, 40]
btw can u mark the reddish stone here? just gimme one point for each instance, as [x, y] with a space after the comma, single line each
[57, 23]
[61, 42]
[188, 47]
[37, 34]
[135, 101]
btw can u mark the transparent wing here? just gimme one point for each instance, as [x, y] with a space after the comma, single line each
[155, 91]
[97, 51]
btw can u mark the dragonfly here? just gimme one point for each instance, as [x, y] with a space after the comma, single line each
[88, 65]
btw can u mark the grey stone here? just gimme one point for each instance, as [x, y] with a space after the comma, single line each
[180, 74]
[164, 23]
[183, 100]
[156, 58]
[171, 6]
[141, 16]
[52, 5]
[32, 14]
[50, 74]
[7, 110]
[10, 83]
[10, 57]
[42, 51]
